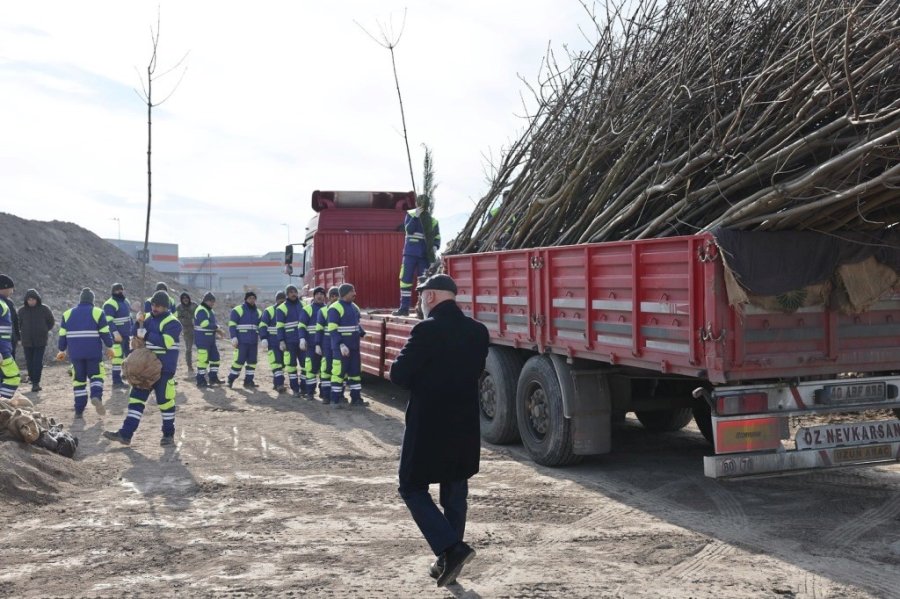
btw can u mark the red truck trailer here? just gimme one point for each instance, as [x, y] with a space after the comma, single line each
[582, 334]
[357, 237]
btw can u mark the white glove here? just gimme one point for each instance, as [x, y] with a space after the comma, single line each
[117, 337]
[264, 345]
[234, 341]
[141, 333]
[282, 346]
[303, 345]
[345, 351]
[318, 350]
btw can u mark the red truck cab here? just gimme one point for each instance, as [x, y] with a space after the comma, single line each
[357, 237]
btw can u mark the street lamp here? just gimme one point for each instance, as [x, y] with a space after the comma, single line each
[288, 231]
[118, 225]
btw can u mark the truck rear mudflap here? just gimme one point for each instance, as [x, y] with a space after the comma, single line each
[755, 427]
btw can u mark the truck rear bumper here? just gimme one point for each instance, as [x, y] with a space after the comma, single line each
[762, 463]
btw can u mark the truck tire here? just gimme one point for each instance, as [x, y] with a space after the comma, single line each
[497, 396]
[545, 431]
[703, 418]
[665, 421]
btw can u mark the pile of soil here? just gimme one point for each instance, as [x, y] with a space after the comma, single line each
[33, 475]
[59, 259]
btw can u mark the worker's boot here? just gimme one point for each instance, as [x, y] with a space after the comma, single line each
[231, 380]
[201, 383]
[167, 440]
[400, 312]
[214, 380]
[249, 383]
[116, 436]
[98, 405]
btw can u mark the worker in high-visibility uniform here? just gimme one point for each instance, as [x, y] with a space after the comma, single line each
[243, 326]
[118, 316]
[423, 240]
[205, 329]
[9, 370]
[323, 347]
[268, 334]
[83, 332]
[160, 330]
[345, 332]
[287, 318]
[161, 287]
[308, 318]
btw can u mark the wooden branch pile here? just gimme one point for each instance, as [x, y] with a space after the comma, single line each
[688, 115]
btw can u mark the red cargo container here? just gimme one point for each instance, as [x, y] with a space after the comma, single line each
[357, 237]
[583, 332]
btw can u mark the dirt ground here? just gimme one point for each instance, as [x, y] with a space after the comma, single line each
[266, 495]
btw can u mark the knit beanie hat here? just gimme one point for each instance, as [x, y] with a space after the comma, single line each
[162, 286]
[249, 294]
[6, 282]
[117, 287]
[333, 292]
[345, 289]
[279, 296]
[87, 296]
[160, 298]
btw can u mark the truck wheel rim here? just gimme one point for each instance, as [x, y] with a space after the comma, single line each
[536, 409]
[488, 397]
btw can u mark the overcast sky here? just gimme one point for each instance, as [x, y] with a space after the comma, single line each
[279, 99]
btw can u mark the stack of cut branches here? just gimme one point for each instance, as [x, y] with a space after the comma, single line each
[689, 115]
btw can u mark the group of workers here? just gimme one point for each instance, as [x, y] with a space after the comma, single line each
[315, 345]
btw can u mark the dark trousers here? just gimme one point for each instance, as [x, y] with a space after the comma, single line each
[34, 361]
[441, 530]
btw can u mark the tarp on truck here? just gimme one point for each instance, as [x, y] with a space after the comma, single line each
[788, 270]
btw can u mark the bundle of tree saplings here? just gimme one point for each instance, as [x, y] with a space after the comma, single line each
[689, 115]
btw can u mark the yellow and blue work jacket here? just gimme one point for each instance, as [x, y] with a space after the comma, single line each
[6, 330]
[83, 332]
[308, 317]
[204, 327]
[287, 319]
[414, 244]
[343, 326]
[267, 325]
[118, 316]
[244, 323]
[161, 338]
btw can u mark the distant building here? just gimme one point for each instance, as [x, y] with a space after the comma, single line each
[228, 276]
[234, 275]
[163, 256]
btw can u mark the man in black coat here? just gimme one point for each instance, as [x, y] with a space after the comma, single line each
[441, 365]
[35, 323]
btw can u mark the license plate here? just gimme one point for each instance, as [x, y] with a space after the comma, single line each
[852, 393]
[868, 452]
[850, 433]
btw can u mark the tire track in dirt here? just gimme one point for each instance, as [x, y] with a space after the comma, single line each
[850, 531]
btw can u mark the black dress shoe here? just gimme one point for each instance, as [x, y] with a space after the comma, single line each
[454, 559]
[436, 567]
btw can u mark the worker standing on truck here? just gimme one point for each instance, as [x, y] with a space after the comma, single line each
[160, 330]
[308, 318]
[287, 317]
[9, 370]
[205, 329]
[441, 365]
[323, 347]
[423, 240]
[185, 315]
[160, 287]
[243, 325]
[83, 332]
[118, 317]
[345, 332]
[268, 333]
